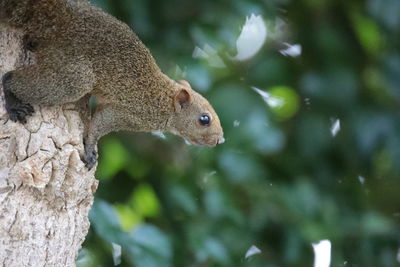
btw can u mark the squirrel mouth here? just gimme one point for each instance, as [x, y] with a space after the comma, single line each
[210, 142]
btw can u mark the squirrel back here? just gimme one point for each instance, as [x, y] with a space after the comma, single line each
[13, 12]
[17, 13]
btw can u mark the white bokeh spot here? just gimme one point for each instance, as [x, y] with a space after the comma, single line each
[322, 253]
[272, 101]
[291, 50]
[251, 38]
[253, 250]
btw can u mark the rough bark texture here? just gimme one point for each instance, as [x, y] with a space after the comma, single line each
[45, 190]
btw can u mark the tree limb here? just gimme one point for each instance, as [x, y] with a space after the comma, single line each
[45, 190]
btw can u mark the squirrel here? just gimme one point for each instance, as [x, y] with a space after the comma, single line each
[82, 51]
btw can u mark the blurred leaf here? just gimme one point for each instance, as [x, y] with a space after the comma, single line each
[303, 198]
[215, 250]
[263, 134]
[368, 33]
[128, 217]
[149, 247]
[387, 12]
[313, 135]
[392, 74]
[377, 85]
[199, 76]
[376, 224]
[183, 199]
[334, 90]
[144, 201]
[215, 203]
[241, 102]
[240, 167]
[113, 158]
[105, 221]
[371, 129]
[137, 167]
[86, 259]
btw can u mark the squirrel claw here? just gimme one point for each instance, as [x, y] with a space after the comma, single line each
[90, 156]
[17, 110]
[20, 112]
[90, 159]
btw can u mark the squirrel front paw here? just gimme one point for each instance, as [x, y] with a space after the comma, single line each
[17, 110]
[90, 159]
[90, 156]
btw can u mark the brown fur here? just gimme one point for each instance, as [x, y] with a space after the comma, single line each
[82, 50]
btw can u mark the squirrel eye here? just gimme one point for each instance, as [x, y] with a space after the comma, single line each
[204, 120]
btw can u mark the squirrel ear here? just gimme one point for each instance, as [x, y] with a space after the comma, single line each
[182, 99]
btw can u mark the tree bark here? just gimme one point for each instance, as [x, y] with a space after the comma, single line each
[45, 190]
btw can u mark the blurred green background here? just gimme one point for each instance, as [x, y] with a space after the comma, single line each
[282, 180]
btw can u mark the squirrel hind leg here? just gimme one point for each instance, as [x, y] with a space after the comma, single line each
[17, 110]
[51, 82]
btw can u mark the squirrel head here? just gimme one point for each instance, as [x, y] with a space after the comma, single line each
[195, 119]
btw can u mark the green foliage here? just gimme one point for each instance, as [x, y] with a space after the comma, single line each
[290, 101]
[282, 180]
[114, 158]
[145, 245]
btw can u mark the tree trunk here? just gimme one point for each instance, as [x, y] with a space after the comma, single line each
[45, 190]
